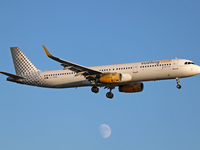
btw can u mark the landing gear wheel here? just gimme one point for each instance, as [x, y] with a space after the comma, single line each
[109, 95]
[178, 81]
[95, 89]
[178, 86]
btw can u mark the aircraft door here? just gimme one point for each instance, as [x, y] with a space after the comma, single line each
[135, 68]
[175, 64]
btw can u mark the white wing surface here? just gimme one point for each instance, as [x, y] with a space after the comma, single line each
[80, 70]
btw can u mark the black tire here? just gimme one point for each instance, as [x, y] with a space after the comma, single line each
[95, 89]
[178, 86]
[109, 95]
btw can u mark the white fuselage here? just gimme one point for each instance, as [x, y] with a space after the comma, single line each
[140, 71]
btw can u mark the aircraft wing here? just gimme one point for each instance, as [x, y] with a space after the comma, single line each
[12, 75]
[80, 70]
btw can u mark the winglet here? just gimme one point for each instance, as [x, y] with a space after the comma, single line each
[46, 51]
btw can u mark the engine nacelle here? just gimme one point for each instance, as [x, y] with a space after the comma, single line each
[126, 77]
[131, 88]
[111, 78]
[115, 78]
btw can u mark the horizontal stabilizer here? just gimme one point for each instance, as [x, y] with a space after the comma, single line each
[12, 75]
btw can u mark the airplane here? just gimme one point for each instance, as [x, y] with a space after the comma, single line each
[128, 77]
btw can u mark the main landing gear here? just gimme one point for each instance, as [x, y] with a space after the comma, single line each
[95, 89]
[178, 81]
[110, 95]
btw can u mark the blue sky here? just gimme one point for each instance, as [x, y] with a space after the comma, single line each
[97, 33]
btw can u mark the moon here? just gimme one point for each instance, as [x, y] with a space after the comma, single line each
[105, 130]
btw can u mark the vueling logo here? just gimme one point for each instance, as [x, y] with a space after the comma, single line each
[165, 61]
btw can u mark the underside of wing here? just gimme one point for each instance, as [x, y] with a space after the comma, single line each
[80, 70]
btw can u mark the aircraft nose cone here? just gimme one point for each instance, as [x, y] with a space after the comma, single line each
[198, 69]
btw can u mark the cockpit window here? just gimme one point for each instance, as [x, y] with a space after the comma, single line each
[188, 63]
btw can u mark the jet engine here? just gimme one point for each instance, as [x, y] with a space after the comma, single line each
[131, 88]
[115, 78]
[111, 78]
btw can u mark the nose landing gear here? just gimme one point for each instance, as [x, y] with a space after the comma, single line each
[178, 81]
